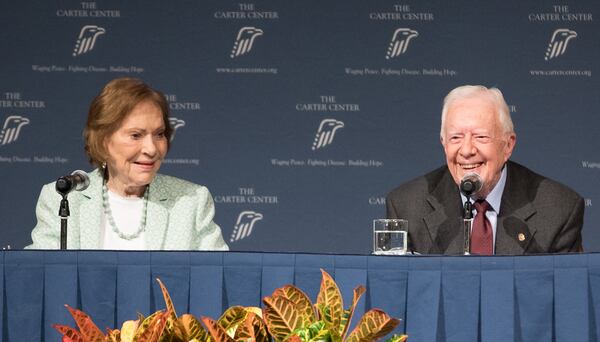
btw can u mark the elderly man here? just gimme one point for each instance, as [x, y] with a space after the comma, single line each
[516, 211]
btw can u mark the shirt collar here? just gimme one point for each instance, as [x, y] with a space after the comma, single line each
[495, 196]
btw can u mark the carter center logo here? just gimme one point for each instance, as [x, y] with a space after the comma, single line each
[399, 43]
[245, 224]
[558, 43]
[245, 40]
[175, 124]
[326, 133]
[87, 39]
[12, 128]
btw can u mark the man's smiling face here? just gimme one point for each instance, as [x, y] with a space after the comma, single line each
[475, 142]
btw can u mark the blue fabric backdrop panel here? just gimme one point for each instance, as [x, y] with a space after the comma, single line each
[316, 119]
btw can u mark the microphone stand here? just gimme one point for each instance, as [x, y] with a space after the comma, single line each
[467, 224]
[63, 187]
[64, 213]
[78, 180]
[470, 184]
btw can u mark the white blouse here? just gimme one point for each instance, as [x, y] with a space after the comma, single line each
[127, 214]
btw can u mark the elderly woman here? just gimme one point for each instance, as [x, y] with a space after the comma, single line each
[128, 205]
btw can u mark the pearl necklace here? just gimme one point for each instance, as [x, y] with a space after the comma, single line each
[112, 222]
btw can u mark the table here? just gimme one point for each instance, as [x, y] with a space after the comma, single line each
[497, 298]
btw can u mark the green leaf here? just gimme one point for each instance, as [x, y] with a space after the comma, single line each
[397, 338]
[319, 332]
[316, 327]
[324, 314]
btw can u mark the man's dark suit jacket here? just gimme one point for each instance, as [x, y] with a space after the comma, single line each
[537, 215]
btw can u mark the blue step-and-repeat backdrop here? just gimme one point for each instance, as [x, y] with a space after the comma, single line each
[299, 116]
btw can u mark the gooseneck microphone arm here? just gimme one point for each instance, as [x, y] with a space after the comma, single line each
[78, 180]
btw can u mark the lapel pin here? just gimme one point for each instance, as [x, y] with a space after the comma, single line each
[521, 237]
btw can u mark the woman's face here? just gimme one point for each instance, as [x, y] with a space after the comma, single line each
[136, 150]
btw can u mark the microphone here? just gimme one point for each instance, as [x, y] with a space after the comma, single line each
[470, 184]
[78, 181]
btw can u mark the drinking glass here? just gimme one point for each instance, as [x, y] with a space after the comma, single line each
[390, 236]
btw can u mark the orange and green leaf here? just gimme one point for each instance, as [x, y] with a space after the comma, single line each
[168, 301]
[155, 327]
[372, 326]
[347, 316]
[255, 310]
[215, 330]
[252, 329]
[192, 328]
[331, 297]
[397, 338]
[318, 331]
[89, 331]
[281, 316]
[69, 332]
[300, 300]
[232, 318]
[113, 335]
[174, 329]
[288, 315]
[143, 326]
[294, 338]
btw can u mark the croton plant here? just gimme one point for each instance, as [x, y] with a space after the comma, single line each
[288, 315]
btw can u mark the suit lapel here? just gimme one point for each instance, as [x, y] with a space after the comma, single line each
[514, 235]
[444, 221]
[157, 215]
[90, 213]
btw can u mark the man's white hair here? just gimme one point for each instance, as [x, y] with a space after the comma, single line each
[494, 94]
